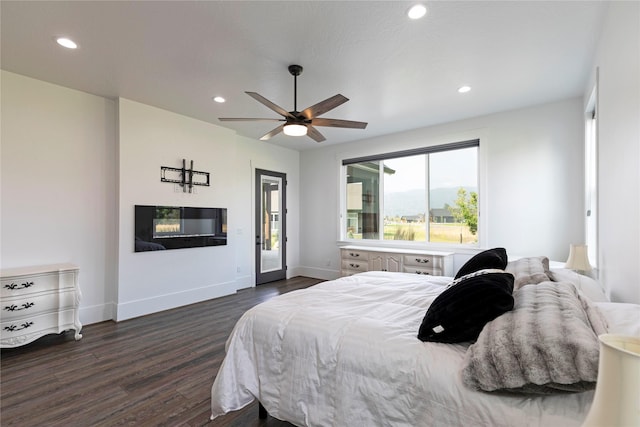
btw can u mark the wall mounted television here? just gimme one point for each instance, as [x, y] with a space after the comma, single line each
[178, 227]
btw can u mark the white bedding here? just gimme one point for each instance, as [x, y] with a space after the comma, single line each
[345, 353]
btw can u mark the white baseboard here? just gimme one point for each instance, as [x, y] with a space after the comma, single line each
[97, 313]
[245, 282]
[131, 309]
[316, 273]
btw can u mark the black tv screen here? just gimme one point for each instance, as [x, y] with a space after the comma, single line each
[178, 227]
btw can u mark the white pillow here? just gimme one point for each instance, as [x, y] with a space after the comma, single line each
[586, 285]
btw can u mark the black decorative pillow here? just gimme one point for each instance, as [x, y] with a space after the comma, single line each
[460, 312]
[491, 258]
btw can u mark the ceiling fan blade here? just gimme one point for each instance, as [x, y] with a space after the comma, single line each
[314, 134]
[272, 133]
[323, 106]
[264, 101]
[339, 123]
[241, 119]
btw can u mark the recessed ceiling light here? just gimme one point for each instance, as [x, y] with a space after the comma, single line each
[417, 11]
[219, 99]
[464, 89]
[66, 42]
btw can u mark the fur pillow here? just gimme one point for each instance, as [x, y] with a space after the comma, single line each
[460, 312]
[491, 258]
[547, 344]
[528, 271]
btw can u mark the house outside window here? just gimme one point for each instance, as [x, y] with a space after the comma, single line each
[427, 195]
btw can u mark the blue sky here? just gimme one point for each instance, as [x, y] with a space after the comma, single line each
[457, 168]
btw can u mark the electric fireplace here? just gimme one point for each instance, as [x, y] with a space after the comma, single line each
[174, 227]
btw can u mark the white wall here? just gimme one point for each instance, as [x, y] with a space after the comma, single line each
[58, 185]
[150, 138]
[73, 165]
[618, 60]
[531, 182]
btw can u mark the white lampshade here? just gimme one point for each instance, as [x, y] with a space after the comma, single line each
[295, 130]
[578, 258]
[617, 398]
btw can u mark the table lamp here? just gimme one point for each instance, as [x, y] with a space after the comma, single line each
[578, 259]
[616, 402]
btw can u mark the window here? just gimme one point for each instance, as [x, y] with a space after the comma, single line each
[591, 177]
[428, 194]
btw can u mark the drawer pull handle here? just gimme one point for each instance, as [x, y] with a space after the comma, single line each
[23, 306]
[15, 286]
[422, 260]
[13, 328]
[423, 272]
[354, 265]
[353, 254]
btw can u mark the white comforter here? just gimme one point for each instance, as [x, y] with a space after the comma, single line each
[345, 353]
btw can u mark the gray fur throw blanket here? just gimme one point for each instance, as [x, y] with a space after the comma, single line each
[546, 344]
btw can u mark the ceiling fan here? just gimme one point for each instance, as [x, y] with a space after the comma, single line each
[298, 123]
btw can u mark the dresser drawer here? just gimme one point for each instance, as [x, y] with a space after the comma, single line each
[17, 286]
[354, 254]
[21, 331]
[422, 270]
[429, 261]
[30, 305]
[355, 266]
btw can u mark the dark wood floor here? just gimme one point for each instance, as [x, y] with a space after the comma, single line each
[155, 370]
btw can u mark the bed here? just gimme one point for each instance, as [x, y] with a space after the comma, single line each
[346, 353]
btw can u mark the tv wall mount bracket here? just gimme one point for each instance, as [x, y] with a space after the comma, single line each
[186, 178]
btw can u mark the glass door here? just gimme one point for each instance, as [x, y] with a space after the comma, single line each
[271, 235]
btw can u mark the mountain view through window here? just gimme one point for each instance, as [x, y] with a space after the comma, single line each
[429, 197]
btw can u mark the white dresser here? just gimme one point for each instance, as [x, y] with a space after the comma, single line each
[356, 259]
[37, 301]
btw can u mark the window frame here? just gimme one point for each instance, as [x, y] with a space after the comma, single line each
[591, 155]
[462, 143]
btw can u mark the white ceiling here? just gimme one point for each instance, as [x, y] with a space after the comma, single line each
[398, 74]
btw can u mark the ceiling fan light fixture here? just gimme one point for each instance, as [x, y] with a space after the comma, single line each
[295, 130]
[299, 123]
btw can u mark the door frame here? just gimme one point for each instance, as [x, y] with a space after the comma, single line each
[280, 274]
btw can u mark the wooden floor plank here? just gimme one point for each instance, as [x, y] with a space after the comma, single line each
[154, 370]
